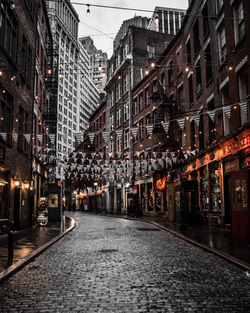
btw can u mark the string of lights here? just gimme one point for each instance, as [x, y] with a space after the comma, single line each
[88, 5]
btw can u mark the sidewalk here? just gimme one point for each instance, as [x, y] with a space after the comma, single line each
[216, 240]
[29, 243]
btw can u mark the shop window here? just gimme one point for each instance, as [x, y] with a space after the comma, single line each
[204, 189]
[215, 187]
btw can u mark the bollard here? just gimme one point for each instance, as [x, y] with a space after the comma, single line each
[10, 244]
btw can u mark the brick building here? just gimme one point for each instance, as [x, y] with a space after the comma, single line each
[17, 59]
[137, 49]
[203, 86]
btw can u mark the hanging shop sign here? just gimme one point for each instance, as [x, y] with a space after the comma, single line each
[161, 183]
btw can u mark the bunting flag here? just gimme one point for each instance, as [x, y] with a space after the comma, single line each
[211, 114]
[181, 123]
[150, 129]
[52, 138]
[4, 136]
[105, 136]
[91, 137]
[165, 126]
[197, 120]
[15, 137]
[40, 138]
[145, 154]
[119, 133]
[27, 137]
[227, 111]
[134, 131]
[244, 106]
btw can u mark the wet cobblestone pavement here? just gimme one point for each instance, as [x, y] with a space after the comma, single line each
[114, 265]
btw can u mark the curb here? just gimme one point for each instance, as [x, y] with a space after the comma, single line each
[223, 255]
[26, 260]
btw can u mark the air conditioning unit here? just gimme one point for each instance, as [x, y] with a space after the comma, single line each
[198, 89]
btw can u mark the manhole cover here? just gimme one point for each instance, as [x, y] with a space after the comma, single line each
[148, 229]
[107, 250]
[109, 228]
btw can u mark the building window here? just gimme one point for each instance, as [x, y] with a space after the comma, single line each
[239, 27]
[112, 146]
[8, 30]
[126, 111]
[126, 138]
[112, 121]
[208, 60]
[201, 133]
[118, 118]
[148, 119]
[151, 51]
[140, 101]
[170, 73]
[180, 102]
[191, 90]
[141, 129]
[135, 106]
[218, 5]
[198, 78]
[163, 80]
[192, 135]
[119, 145]
[26, 59]
[188, 48]
[6, 103]
[243, 86]
[147, 96]
[205, 20]
[196, 36]
[222, 45]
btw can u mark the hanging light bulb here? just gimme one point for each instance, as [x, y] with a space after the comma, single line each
[157, 20]
[146, 71]
[152, 64]
[1, 73]
[88, 10]
[12, 5]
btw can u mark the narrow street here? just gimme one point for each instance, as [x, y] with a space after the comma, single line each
[115, 265]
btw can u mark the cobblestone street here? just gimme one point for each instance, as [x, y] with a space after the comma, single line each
[115, 265]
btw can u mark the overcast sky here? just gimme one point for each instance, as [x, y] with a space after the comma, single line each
[103, 23]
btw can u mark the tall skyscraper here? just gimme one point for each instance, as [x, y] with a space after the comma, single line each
[98, 62]
[72, 73]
